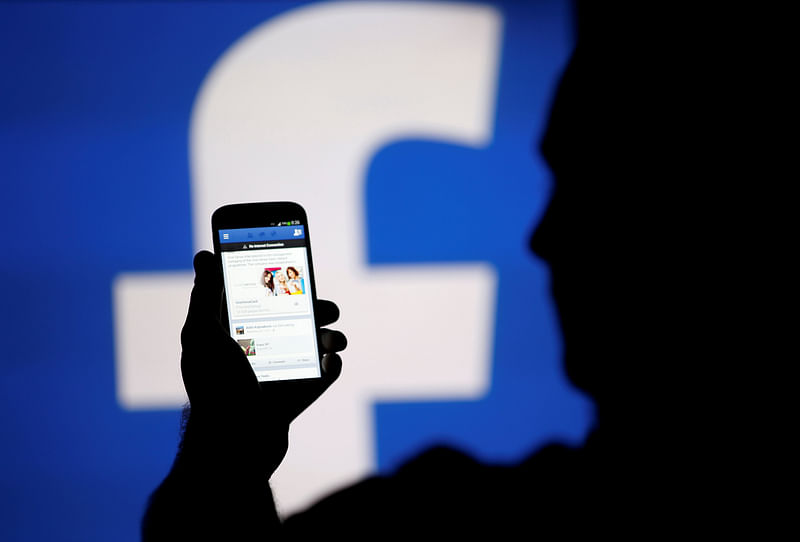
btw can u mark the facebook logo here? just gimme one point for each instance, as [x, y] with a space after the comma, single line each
[409, 133]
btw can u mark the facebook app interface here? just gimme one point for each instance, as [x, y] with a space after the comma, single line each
[269, 300]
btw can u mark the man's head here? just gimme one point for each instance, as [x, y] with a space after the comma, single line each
[595, 231]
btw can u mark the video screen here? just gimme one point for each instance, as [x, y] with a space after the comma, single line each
[268, 298]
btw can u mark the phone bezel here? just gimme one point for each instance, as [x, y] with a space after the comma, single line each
[257, 215]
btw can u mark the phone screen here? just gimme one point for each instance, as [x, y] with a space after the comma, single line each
[269, 301]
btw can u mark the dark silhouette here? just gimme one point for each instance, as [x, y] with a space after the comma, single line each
[598, 237]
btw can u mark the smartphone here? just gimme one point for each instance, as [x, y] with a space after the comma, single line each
[264, 250]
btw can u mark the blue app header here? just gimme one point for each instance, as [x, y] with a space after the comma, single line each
[278, 233]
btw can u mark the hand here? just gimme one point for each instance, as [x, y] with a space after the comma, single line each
[233, 417]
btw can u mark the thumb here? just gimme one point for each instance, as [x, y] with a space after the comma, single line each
[206, 295]
[213, 366]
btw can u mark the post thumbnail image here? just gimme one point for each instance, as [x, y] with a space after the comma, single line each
[283, 280]
[248, 346]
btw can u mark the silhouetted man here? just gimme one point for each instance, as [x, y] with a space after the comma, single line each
[596, 237]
